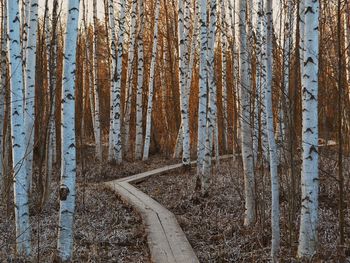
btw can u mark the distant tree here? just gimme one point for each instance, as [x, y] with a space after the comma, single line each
[151, 84]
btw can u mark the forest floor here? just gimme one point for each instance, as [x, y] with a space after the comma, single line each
[105, 229]
[108, 230]
[214, 224]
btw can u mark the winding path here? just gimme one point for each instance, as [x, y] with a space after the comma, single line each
[166, 240]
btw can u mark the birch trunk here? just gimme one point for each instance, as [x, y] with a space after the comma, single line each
[275, 211]
[130, 77]
[212, 112]
[309, 175]
[151, 85]
[246, 132]
[53, 82]
[18, 131]
[140, 72]
[29, 109]
[68, 164]
[203, 81]
[117, 78]
[95, 97]
[109, 13]
[183, 79]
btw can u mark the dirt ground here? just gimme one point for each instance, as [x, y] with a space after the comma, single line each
[214, 224]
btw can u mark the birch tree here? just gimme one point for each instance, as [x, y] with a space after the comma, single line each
[130, 76]
[67, 190]
[111, 34]
[183, 80]
[29, 110]
[275, 211]
[309, 175]
[246, 132]
[203, 78]
[18, 131]
[53, 83]
[212, 111]
[95, 98]
[151, 85]
[117, 55]
[140, 71]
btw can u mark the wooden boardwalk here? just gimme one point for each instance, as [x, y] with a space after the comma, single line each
[166, 240]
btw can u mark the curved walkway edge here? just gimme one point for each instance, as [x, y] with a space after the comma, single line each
[166, 240]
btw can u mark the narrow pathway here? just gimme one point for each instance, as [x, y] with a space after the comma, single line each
[166, 240]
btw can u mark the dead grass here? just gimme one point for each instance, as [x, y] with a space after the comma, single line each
[214, 225]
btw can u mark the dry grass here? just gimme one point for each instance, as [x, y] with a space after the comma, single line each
[105, 230]
[214, 224]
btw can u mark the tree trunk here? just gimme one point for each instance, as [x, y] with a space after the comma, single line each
[67, 190]
[140, 72]
[183, 25]
[151, 85]
[29, 109]
[117, 78]
[203, 81]
[130, 77]
[18, 132]
[246, 132]
[212, 112]
[309, 175]
[275, 211]
[96, 97]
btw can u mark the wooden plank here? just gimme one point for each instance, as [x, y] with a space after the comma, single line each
[156, 237]
[176, 238]
[166, 240]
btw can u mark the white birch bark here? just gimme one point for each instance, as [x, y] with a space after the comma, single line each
[68, 140]
[53, 85]
[130, 77]
[29, 109]
[95, 97]
[275, 211]
[151, 85]
[212, 112]
[18, 131]
[203, 81]
[140, 72]
[246, 132]
[309, 175]
[113, 58]
[117, 79]
[184, 79]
